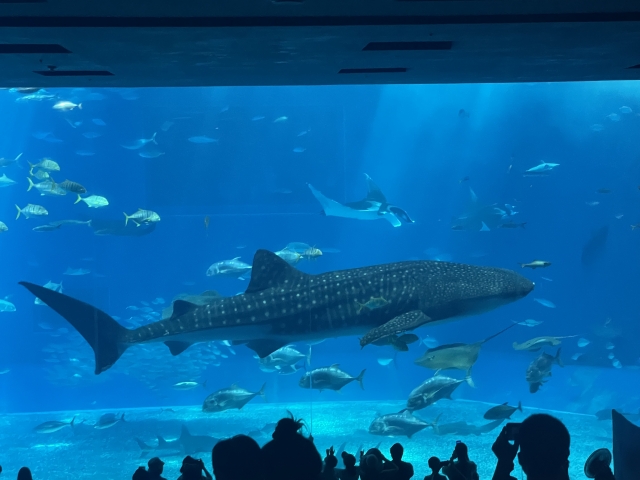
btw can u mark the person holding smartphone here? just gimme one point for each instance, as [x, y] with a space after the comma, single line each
[460, 467]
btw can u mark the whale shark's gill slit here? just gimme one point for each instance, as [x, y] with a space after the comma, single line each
[269, 270]
[102, 332]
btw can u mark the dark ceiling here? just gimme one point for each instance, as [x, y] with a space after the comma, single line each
[134, 43]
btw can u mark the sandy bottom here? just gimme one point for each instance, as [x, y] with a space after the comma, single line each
[86, 452]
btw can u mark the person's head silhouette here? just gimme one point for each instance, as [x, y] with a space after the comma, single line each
[544, 447]
[434, 464]
[24, 474]
[396, 452]
[237, 458]
[156, 466]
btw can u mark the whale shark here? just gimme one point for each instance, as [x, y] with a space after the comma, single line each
[373, 207]
[283, 305]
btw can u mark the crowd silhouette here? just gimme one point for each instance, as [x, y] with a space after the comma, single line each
[541, 444]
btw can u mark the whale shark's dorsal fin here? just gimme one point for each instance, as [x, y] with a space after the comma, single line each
[373, 191]
[269, 271]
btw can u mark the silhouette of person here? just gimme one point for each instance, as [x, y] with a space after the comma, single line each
[290, 455]
[193, 469]
[24, 474]
[237, 458]
[544, 444]
[460, 467]
[330, 464]
[350, 470]
[156, 466]
[374, 466]
[140, 474]
[435, 465]
[405, 469]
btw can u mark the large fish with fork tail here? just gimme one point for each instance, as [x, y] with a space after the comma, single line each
[283, 305]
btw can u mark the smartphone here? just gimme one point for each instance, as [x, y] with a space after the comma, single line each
[513, 431]
[458, 441]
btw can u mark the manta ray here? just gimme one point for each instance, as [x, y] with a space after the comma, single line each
[373, 207]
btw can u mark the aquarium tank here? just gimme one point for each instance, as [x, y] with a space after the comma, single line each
[413, 263]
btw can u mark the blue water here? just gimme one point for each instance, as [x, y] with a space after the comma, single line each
[248, 190]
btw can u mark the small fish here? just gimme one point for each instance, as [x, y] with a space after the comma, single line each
[73, 124]
[142, 216]
[540, 369]
[609, 346]
[207, 220]
[592, 204]
[303, 133]
[99, 122]
[583, 342]
[372, 304]
[614, 117]
[329, 378]
[616, 363]
[65, 106]
[576, 356]
[202, 139]
[545, 303]
[5, 162]
[311, 253]
[54, 426]
[41, 175]
[76, 272]
[625, 110]
[637, 225]
[547, 279]
[141, 142]
[299, 150]
[93, 201]
[464, 179]
[385, 361]
[512, 225]
[227, 398]
[484, 228]
[6, 181]
[611, 356]
[529, 323]
[48, 187]
[91, 135]
[257, 118]
[619, 216]
[502, 412]
[543, 167]
[6, 306]
[166, 126]
[281, 119]
[188, 385]
[31, 211]
[536, 264]
[45, 164]
[85, 153]
[151, 154]
[46, 228]
[108, 420]
[73, 187]
[603, 190]
[3, 227]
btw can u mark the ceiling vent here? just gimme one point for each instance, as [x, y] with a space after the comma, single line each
[74, 73]
[407, 46]
[32, 48]
[373, 70]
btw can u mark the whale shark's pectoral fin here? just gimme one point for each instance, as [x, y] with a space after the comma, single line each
[399, 324]
[176, 348]
[264, 348]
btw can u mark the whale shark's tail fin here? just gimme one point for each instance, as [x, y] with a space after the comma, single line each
[100, 331]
